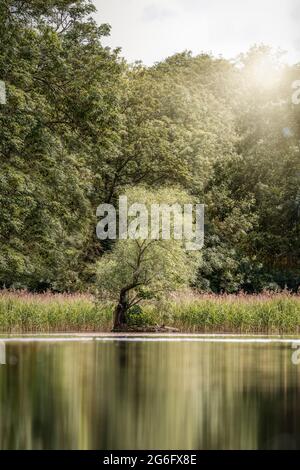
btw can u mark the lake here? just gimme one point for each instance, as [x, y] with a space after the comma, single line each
[199, 392]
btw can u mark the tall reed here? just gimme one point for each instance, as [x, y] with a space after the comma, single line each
[21, 311]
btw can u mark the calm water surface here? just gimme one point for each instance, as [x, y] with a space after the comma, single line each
[116, 394]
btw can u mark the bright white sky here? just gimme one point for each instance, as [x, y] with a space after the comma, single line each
[151, 30]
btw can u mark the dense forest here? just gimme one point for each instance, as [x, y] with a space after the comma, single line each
[81, 125]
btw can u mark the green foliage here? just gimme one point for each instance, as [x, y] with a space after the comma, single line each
[147, 268]
[81, 126]
[136, 317]
[60, 105]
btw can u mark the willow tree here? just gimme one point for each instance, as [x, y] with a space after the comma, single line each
[146, 267]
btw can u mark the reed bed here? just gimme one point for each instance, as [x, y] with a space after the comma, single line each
[264, 313]
[25, 312]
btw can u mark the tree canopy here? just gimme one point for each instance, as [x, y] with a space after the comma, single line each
[80, 125]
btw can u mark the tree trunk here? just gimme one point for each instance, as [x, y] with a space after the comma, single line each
[120, 311]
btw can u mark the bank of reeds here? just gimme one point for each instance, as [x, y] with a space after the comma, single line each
[264, 313]
[24, 312]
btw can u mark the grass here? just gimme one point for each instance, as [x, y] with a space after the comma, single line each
[24, 312]
[265, 313]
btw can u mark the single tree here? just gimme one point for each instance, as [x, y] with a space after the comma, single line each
[145, 268]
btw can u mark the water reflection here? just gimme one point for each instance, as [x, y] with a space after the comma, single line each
[139, 395]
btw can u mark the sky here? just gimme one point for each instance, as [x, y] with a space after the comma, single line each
[151, 30]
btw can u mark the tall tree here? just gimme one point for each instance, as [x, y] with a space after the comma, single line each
[61, 92]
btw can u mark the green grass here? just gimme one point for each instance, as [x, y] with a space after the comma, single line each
[23, 312]
[265, 313]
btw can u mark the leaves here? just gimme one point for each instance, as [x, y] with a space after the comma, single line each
[81, 126]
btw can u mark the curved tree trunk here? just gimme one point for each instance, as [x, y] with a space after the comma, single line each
[120, 311]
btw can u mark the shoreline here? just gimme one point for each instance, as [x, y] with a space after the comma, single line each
[205, 337]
